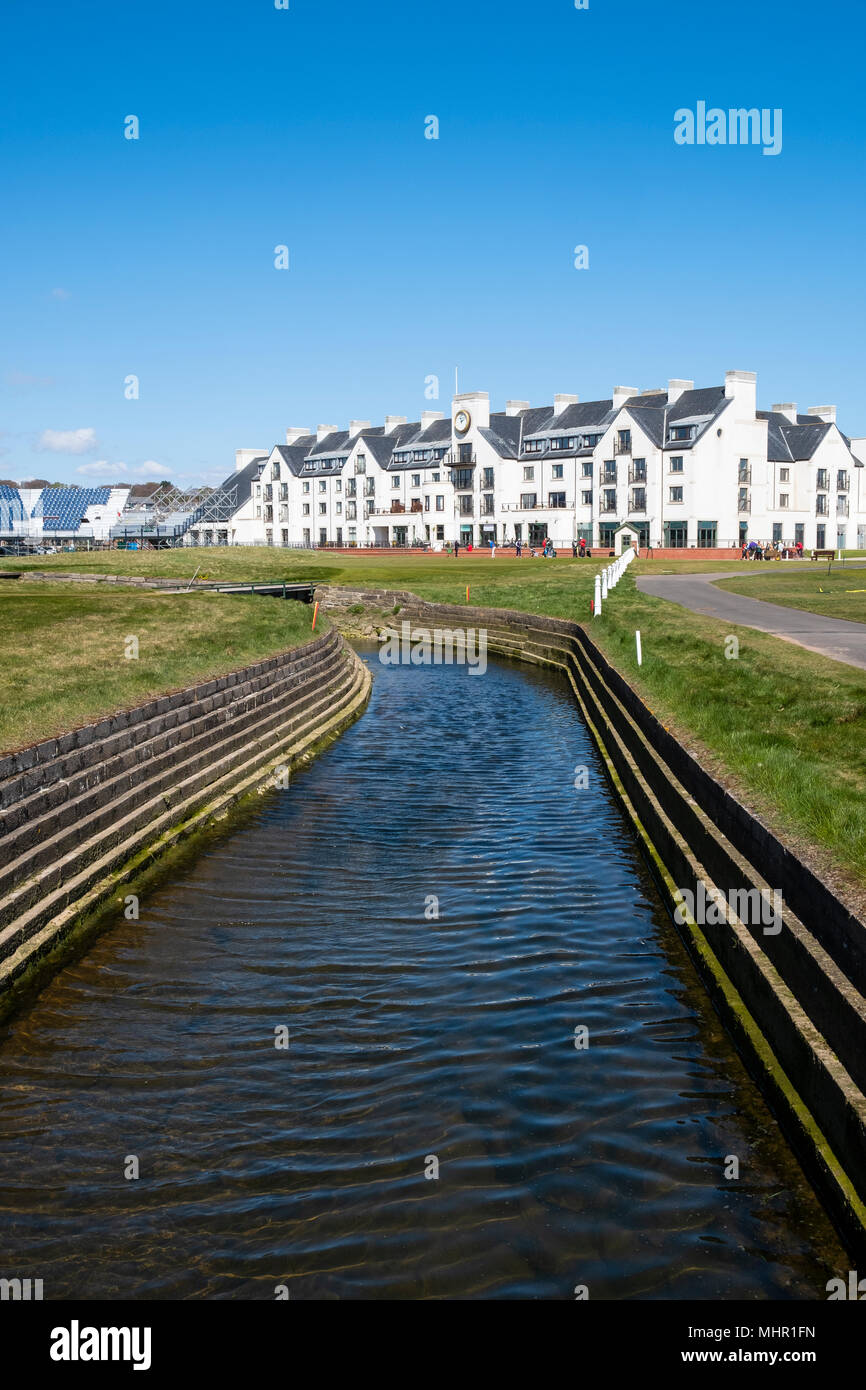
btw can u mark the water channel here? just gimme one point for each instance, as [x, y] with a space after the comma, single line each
[415, 1040]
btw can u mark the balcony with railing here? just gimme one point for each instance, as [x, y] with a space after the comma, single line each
[744, 473]
[351, 487]
[823, 479]
[637, 473]
[608, 503]
[370, 487]
[622, 443]
[460, 461]
[637, 501]
[744, 501]
[842, 482]
[821, 508]
[841, 506]
[608, 475]
[463, 479]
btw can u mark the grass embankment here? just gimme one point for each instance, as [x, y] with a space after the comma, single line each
[62, 649]
[784, 728]
[841, 594]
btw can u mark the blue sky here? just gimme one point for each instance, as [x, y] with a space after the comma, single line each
[408, 256]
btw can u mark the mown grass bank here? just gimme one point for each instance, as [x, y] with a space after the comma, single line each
[63, 660]
[783, 727]
[839, 594]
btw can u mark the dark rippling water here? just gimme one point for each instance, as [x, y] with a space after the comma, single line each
[409, 1038]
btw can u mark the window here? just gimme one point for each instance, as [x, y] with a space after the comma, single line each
[823, 477]
[488, 477]
[677, 464]
[563, 442]
[426, 504]
[275, 471]
[440, 502]
[586, 468]
[395, 481]
[323, 485]
[821, 506]
[533, 446]
[784, 475]
[487, 504]
[306, 509]
[842, 480]
[309, 467]
[465, 506]
[556, 470]
[608, 471]
[529, 474]
[284, 492]
[623, 442]
[777, 532]
[462, 478]
[556, 499]
[435, 477]
[608, 500]
[676, 535]
[676, 494]
[783, 499]
[707, 531]
[744, 472]
[339, 509]
[440, 533]
[351, 511]
[586, 498]
[323, 509]
[528, 499]
[306, 487]
[416, 479]
[361, 463]
[339, 485]
[682, 431]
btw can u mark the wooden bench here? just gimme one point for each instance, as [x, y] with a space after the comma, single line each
[823, 555]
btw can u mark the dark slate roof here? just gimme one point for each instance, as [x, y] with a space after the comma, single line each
[339, 442]
[651, 421]
[503, 434]
[707, 400]
[787, 442]
[243, 479]
[381, 446]
[295, 455]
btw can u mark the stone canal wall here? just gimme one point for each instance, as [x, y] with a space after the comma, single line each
[791, 995]
[84, 813]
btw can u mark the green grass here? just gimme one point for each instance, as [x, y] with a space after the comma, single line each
[784, 728]
[841, 594]
[62, 661]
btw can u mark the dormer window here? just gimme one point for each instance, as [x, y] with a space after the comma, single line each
[682, 432]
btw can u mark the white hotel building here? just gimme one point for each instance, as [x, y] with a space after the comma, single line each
[680, 468]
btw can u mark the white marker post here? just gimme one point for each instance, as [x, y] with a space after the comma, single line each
[637, 644]
[596, 608]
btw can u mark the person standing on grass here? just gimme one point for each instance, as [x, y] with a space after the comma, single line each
[518, 548]
[493, 550]
[574, 550]
[456, 549]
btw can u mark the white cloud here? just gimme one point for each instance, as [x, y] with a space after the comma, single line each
[67, 441]
[101, 469]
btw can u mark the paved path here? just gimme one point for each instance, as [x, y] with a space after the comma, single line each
[833, 637]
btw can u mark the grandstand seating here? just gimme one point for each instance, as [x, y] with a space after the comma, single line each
[11, 509]
[63, 508]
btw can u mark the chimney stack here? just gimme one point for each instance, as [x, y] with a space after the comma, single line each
[742, 389]
[392, 421]
[827, 413]
[428, 417]
[322, 432]
[562, 402]
[788, 409]
[355, 427]
[676, 386]
[296, 432]
[621, 394]
[515, 407]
